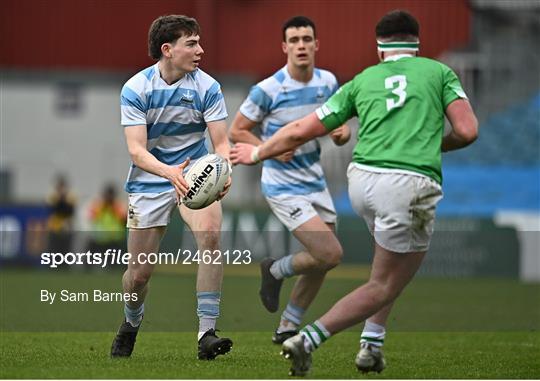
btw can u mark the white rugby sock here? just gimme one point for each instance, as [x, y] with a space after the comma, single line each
[204, 325]
[373, 334]
[314, 335]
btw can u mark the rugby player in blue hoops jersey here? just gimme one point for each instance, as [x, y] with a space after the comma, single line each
[166, 109]
[293, 183]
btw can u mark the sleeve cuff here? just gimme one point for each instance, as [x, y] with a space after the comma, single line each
[131, 124]
[250, 116]
[216, 118]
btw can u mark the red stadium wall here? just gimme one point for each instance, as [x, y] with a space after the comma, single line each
[238, 36]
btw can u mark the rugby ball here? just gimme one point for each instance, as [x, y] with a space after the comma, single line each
[206, 179]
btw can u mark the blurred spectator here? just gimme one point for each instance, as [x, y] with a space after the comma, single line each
[60, 222]
[107, 215]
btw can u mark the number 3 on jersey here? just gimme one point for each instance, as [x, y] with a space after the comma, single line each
[399, 90]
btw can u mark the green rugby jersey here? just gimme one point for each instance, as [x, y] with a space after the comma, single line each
[400, 105]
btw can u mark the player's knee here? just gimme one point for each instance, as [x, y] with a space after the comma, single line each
[208, 239]
[335, 257]
[139, 279]
[331, 256]
[383, 293]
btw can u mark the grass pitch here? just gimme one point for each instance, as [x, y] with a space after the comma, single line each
[440, 328]
[173, 355]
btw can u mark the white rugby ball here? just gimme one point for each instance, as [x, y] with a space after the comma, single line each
[206, 179]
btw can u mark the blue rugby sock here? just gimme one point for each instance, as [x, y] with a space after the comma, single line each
[207, 310]
[293, 315]
[283, 268]
[134, 316]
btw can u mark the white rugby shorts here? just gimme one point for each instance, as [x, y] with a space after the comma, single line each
[398, 206]
[148, 210]
[294, 210]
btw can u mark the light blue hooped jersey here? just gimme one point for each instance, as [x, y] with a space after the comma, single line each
[279, 100]
[175, 117]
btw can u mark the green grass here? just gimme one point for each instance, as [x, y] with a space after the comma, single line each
[440, 328]
[173, 355]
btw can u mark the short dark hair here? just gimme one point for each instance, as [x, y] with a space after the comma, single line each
[168, 29]
[397, 25]
[297, 22]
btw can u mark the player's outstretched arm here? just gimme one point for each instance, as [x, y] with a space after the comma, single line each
[286, 139]
[136, 139]
[464, 126]
[218, 135]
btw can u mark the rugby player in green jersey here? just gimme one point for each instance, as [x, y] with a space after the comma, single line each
[394, 177]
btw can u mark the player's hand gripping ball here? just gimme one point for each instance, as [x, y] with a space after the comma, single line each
[206, 180]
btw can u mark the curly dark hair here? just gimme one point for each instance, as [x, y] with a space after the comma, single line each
[297, 22]
[168, 29]
[397, 25]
